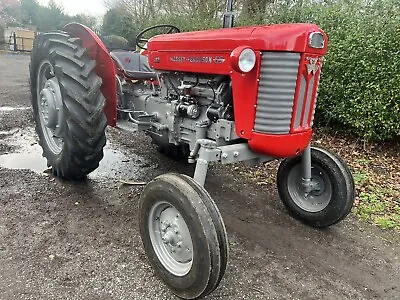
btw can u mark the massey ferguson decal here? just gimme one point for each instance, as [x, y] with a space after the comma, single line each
[197, 59]
[313, 65]
[219, 60]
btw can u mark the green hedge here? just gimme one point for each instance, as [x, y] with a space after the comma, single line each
[360, 85]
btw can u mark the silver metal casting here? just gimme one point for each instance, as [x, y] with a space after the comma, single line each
[50, 107]
[318, 193]
[170, 237]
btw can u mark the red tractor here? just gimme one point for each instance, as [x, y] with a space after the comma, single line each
[225, 95]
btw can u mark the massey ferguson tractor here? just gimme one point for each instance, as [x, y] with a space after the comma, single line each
[226, 95]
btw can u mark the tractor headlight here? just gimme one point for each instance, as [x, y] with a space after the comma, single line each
[247, 60]
[316, 40]
[243, 59]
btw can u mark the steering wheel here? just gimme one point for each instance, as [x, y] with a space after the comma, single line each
[143, 37]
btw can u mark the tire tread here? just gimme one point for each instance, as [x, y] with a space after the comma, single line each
[83, 103]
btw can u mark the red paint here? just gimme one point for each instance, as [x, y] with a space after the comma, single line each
[282, 37]
[280, 145]
[207, 62]
[245, 90]
[104, 69]
[174, 51]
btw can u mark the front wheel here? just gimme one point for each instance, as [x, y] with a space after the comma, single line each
[332, 194]
[183, 235]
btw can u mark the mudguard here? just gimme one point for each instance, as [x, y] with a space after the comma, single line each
[105, 68]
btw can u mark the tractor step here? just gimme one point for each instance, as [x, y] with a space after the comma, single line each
[127, 126]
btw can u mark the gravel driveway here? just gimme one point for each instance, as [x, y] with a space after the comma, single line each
[80, 240]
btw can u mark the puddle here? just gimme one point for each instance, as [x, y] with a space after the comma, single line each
[114, 164]
[9, 108]
[31, 160]
[29, 153]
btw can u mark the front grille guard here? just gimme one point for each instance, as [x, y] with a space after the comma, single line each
[287, 91]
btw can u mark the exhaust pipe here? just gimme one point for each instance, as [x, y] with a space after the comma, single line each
[228, 17]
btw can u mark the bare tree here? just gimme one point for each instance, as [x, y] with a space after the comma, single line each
[254, 9]
[141, 10]
[208, 8]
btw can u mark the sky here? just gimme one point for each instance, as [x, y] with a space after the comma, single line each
[73, 7]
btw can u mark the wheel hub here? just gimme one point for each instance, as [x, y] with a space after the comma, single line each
[317, 185]
[50, 107]
[311, 195]
[175, 235]
[171, 238]
[51, 104]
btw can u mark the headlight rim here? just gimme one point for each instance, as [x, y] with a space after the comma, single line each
[235, 59]
[310, 40]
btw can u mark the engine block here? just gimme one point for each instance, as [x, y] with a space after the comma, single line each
[183, 108]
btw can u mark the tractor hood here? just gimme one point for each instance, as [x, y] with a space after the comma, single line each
[211, 51]
[283, 37]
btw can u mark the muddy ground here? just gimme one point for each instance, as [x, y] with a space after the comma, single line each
[80, 240]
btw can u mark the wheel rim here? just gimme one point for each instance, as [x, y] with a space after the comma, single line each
[170, 238]
[50, 109]
[318, 198]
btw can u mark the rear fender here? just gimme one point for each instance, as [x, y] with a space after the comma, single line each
[105, 66]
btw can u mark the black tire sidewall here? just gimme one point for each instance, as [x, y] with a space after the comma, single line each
[37, 57]
[340, 202]
[220, 229]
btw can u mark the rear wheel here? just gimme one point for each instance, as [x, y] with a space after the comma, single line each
[183, 235]
[67, 104]
[332, 195]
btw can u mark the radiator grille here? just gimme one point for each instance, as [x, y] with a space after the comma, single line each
[278, 75]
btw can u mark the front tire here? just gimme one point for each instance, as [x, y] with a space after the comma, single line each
[183, 235]
[333, 196]
[67, 105]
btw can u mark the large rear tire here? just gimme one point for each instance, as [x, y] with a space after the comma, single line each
[183, 235]
[67, 105]
[332, 197]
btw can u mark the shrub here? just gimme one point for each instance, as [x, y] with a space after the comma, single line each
[360, 84]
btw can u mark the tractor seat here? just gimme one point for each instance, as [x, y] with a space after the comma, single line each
[133, 64]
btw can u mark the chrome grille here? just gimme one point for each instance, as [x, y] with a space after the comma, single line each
[315, 103]
[304, 102]
[278, 76]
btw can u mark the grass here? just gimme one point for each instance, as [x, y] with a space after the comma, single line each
[376, 173]
[360, 178]
[380, 206]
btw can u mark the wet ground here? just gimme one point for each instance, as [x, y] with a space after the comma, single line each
[80, 240]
